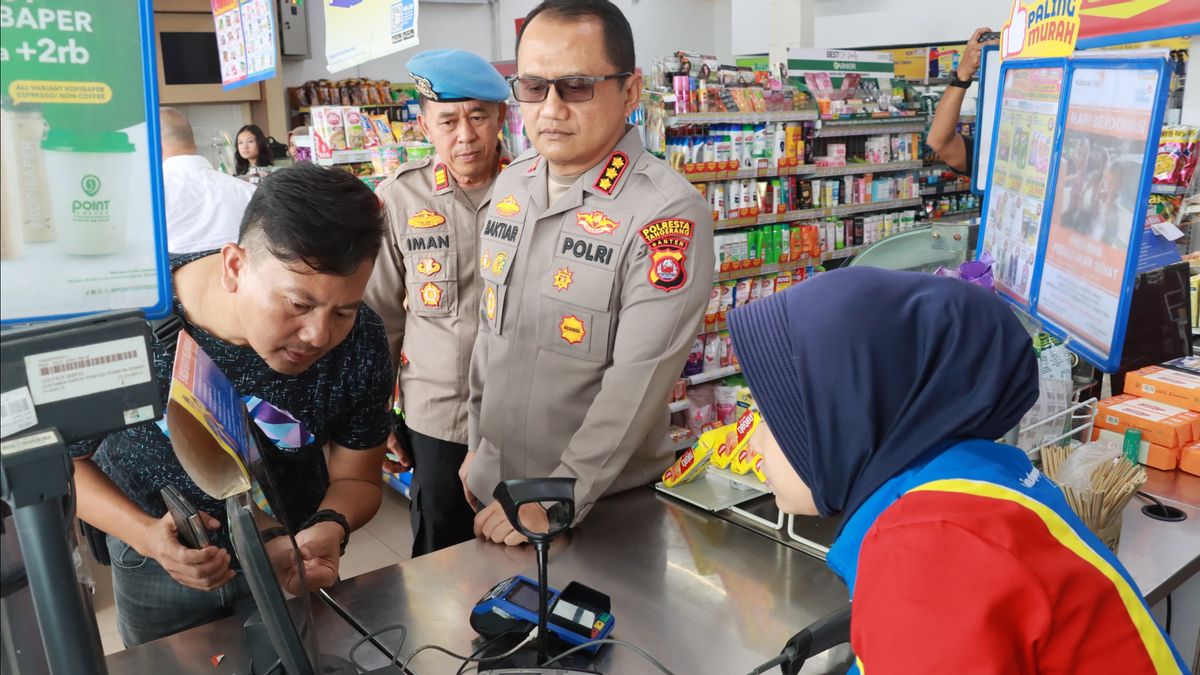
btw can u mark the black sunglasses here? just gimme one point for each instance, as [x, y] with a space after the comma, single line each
[574, 89]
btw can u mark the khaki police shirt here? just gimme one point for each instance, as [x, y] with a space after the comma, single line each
[590, 308]
[428, 256]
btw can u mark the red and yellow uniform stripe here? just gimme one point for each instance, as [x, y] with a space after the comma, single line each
[969, 576]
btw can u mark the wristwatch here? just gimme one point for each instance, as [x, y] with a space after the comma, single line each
[955, 82]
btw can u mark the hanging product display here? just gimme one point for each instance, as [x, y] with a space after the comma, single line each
[245, 41]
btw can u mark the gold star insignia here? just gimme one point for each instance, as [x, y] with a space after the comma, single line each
[611, 173]
[563, 278]
[618, 162]
[605, 183]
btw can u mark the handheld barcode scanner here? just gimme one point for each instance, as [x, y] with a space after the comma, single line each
[557, 496]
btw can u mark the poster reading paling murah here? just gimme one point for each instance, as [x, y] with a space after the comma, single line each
[1016, 200]
[1097, 202]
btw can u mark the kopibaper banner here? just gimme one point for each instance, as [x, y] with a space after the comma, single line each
[81, 226]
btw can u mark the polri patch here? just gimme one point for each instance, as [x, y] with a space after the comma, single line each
[425, 219]
[596, 222]
[668, 240]
[431, 294]
[508, 207]
[572, 330]
[563, 278]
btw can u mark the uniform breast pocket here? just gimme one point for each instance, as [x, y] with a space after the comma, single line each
[432, 279]
[576, 310]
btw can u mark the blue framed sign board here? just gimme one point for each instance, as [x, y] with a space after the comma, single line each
[1070, 257]
[82, 228]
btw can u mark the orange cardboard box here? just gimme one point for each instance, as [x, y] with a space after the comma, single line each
[1150, 454]
[1161, 423]
[1165, 385]
[1189, 461]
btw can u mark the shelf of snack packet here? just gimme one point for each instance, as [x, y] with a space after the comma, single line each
[770, 116]
[823, 212]
[708, 172]
[395, 104]
[345, 157]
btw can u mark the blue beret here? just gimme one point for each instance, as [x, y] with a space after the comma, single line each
[449, 75]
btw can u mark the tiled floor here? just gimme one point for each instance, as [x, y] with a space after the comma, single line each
[384, 541]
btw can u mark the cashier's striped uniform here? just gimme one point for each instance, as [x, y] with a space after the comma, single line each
[972, 562]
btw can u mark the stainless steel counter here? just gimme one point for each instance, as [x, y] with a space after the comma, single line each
[1161, 556]
[190, 651]
[701, 594]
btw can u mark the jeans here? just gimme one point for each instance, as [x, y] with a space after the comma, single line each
[151, 604]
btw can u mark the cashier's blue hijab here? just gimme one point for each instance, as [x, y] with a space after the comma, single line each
[859, 372]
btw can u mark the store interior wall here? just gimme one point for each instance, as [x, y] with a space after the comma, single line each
[661, 27]
[868, 23]
[440, 25]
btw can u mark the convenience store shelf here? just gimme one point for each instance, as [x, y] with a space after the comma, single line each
[954, 217]
[346, 157]
[683, 444]
[695, 176]
[888, 125]
[935, 190]
[807, 214]
[805, 170]
[680, 119]
[305, 109]
[855, 169]
[713, 375]
[677, 406]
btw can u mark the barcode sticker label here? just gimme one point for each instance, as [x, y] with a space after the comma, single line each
[28, 442]
[82, 371]
[16, 412]
[142, 414]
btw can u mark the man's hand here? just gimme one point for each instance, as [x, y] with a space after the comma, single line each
[320, 549]
[463, 471]
[491, 524]
[402, 462]
[968, 65]
[204, 570]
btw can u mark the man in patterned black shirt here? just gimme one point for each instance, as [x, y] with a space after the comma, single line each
[281, 314]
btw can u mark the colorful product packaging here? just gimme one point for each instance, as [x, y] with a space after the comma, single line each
[1165, 385]
[1160, 423]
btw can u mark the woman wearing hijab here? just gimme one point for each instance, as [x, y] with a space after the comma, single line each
[881, 393]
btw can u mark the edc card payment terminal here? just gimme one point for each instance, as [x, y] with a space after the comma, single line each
[578, 614]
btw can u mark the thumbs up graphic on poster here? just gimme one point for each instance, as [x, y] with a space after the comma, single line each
[1012, 39]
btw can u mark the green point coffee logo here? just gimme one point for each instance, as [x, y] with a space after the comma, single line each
[90, 210]
[90, 185]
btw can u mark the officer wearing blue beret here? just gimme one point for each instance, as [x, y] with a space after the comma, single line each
[426, 285]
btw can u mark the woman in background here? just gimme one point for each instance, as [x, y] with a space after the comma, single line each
[252, 149]
[881, 393]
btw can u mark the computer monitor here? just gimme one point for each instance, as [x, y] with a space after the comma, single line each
[288, 624]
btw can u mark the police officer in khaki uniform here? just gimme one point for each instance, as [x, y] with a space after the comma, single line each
[597, 263]
[426, 285]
